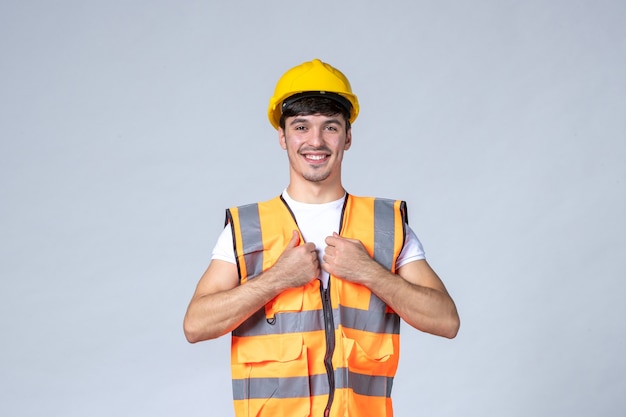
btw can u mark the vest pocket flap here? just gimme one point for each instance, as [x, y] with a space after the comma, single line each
[367, 346]
[289, 300]
[371, 358]
[268, 348]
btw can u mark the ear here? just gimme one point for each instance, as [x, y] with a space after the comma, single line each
[281, 138]
[348, 140]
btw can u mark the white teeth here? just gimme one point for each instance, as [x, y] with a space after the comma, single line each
[316, 157]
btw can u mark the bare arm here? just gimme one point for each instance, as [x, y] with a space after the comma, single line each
[416, 293]
[220, 304]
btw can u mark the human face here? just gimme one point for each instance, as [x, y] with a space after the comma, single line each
[315, 146]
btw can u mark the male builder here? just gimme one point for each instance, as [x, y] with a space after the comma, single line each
[313, 283]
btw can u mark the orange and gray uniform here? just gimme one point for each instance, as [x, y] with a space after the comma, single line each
[315, 351]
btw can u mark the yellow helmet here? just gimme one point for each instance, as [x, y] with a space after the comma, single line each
[314, 77]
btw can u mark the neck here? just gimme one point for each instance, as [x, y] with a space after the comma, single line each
[315, 193]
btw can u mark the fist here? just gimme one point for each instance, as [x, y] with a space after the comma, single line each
[347, 258]
[298, 264]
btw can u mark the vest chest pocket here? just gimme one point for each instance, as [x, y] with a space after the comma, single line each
[289, 301]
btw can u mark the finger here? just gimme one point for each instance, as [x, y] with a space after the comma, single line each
[331, 240]
[295, 239]
[310, 247]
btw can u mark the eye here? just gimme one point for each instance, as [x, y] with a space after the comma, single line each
[300, 128]
[332, 128]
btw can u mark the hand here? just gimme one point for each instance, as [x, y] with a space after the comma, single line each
[298, 264]
[347, 259]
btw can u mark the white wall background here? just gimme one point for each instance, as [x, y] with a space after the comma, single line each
[127, 127]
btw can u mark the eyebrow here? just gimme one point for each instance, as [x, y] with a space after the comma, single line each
[333, 121]
[298, 120]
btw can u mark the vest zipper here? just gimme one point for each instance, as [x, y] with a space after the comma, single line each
[329, 328]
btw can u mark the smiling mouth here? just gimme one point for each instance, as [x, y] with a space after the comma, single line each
[315, 158]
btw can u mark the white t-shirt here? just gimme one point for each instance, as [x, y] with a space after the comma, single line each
[316, 222]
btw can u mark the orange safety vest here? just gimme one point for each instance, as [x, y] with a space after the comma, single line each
[313, 351]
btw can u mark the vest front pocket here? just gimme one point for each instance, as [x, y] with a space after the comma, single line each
[270, 375]
[370, 352]
[368, 379]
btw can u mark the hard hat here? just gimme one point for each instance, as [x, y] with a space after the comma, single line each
[312, 78]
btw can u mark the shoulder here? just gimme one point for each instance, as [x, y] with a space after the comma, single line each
[380, 204]
[272, 200]
[373, 198]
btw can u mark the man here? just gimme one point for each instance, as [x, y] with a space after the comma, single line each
[313, 283]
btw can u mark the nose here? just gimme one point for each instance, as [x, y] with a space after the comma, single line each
[317, 137]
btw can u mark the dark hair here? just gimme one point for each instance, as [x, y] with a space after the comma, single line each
[309, 105]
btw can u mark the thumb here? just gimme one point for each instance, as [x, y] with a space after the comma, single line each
[295, 240]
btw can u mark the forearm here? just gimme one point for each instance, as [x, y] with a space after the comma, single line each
[220, 303]
[212, 315]
[427, 309]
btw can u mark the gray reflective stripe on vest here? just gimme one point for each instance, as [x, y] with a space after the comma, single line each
[252, 241]
[373, 321]
[384, 231]
[290, 387]
[286, 322]
[384, 239]
[306, 386]
[373, 386]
